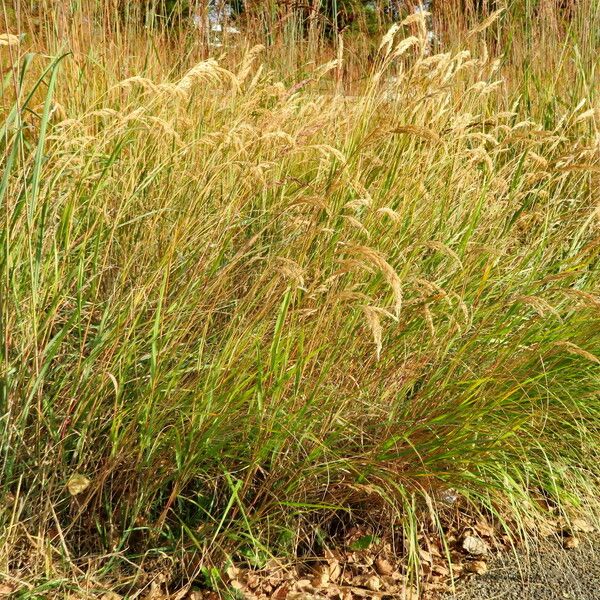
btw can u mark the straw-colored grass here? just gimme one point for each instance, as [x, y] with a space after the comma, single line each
[236, 296]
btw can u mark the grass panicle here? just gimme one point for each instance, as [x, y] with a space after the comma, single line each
[240, 291]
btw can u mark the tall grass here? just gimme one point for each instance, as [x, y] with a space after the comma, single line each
[235, 299]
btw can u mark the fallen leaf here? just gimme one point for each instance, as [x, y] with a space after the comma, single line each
[155, 592]
[321, 578]
[6, 590]
[281, 592]
[571, 542]
[435, 586]
[474, 545]
[236, 584]
[383, 567]
[547, 528]
[77, 484]
[426, 556]
[335, 570]
[303, 584]
[441, 570]
[373, 583]
[183, 593]
[484, 528]
[582, 526]
[232, 572]
[9, 39]
[265, 590]
[390, 584]
[410, 593]
[478, 567]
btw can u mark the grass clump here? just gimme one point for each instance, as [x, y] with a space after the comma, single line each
[230, 302]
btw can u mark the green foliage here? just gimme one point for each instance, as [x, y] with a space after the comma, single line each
[231, 304]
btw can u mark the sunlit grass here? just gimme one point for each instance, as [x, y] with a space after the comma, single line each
[231, 302]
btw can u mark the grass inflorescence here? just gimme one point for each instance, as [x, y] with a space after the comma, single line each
[238, 298]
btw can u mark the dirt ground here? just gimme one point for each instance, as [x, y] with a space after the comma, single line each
[548, 572]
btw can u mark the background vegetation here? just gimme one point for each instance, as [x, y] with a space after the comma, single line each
[252, 288]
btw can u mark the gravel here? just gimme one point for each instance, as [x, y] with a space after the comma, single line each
[548, 572]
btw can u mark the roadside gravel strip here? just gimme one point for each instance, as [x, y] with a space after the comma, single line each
[546, 573]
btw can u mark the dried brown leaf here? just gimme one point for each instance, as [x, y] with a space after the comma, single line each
[9, 39]
[410, 593]
[383, 567]
[321, 578]
[77, 484]
[335, 570]
[425, 556]
[478, 567]
[581, 525]
[303, 584]
[571, 542]
[483, 528]
[374, 583]
[281, 593]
